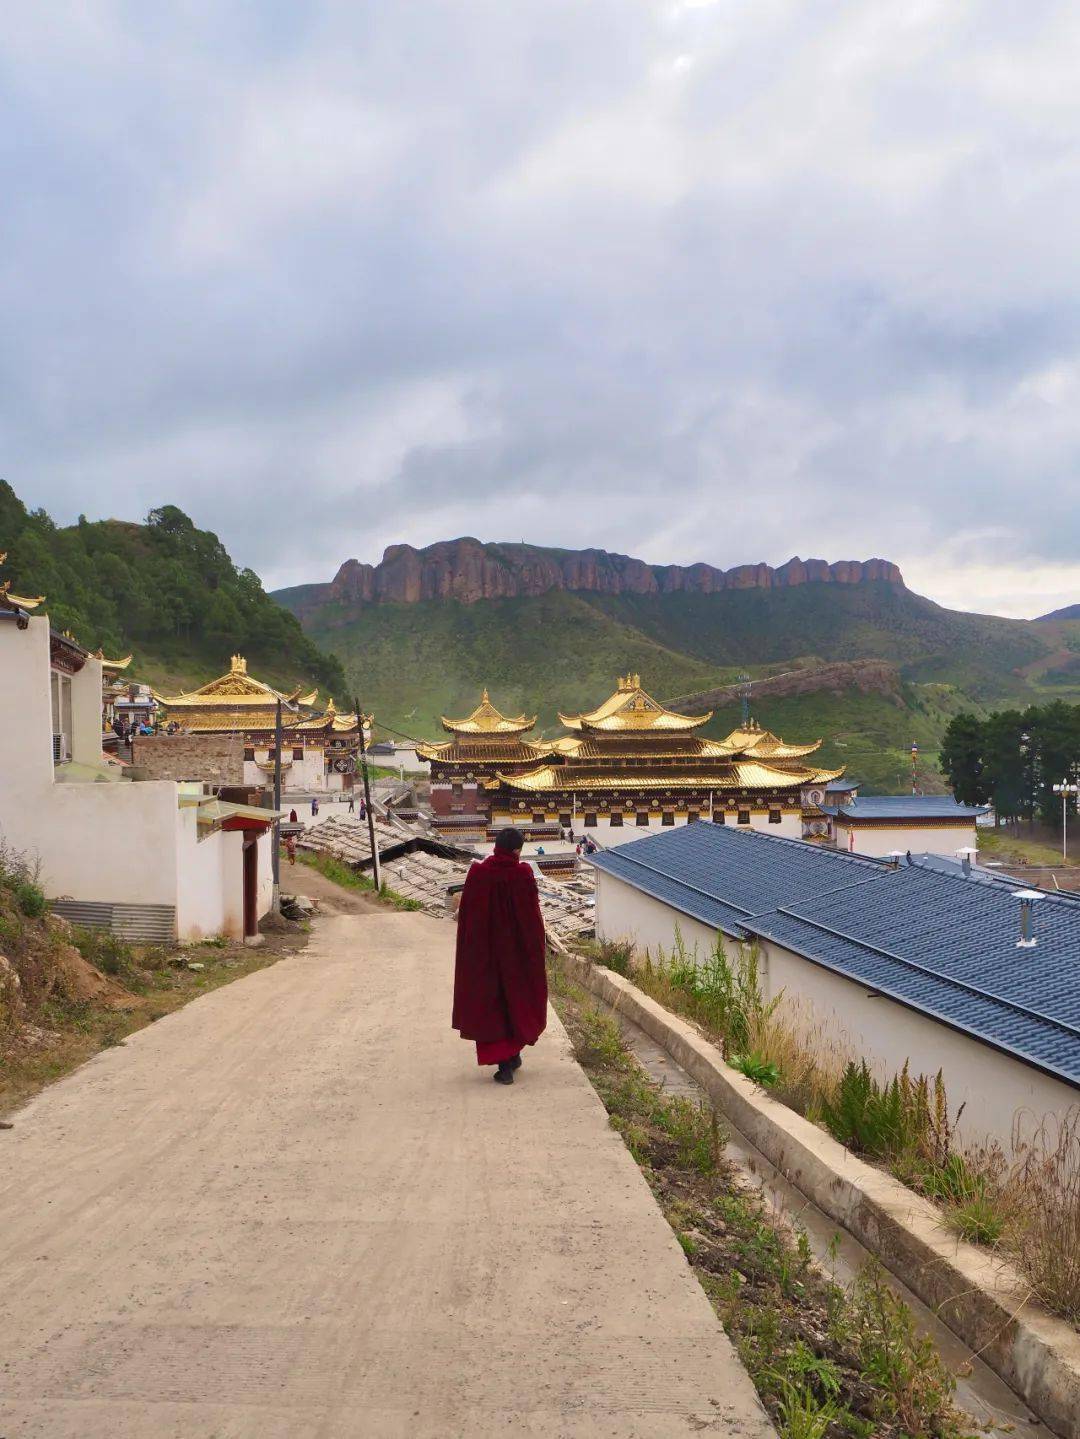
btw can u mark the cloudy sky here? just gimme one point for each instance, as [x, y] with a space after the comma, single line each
[719, 280]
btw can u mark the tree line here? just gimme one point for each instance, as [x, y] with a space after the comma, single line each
[165, 583]
[1013, 758]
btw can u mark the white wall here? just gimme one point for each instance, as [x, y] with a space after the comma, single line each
[878, 840]
[623, 912]
[992, 1087]
[107, 842]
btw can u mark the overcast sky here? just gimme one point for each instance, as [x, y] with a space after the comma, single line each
[719, 280]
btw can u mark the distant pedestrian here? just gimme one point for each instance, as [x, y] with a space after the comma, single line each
[290, 847]
[352, 803]
[363, 810]
[314, 806]
[500, 980]
[292, 817]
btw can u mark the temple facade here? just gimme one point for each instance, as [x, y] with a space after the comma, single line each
[319, 743]
[625, 768]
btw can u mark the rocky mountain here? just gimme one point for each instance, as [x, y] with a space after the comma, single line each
[468, 571]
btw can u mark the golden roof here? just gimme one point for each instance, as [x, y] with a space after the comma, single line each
[498, 751]
[309, 701]
[487, 720]
[751, 739]
[235, 690]
[112, 664]
[332, 720]
[737, 776]
[630, 708]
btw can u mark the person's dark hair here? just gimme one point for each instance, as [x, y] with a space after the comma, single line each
[509, 841]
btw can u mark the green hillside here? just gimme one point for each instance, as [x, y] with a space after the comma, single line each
[166, 591]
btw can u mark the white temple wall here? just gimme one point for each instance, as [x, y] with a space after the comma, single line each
[607, 834]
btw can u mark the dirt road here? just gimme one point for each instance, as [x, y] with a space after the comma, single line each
[296, 1210]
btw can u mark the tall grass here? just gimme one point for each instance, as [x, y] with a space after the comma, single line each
[1043, 1187]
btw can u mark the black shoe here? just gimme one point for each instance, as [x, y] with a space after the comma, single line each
[505, 1073]
[515, 1063]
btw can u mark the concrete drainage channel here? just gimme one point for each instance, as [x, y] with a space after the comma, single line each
[805, 1174]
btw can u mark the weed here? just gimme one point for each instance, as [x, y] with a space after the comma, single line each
[978, 1220]
[905, 1370]
[348, 878]
[1044, 1191]
[761, 1071]
[802, 1414]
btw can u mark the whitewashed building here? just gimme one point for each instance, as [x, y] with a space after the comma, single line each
[912, 963]
[883, 824]
[147, 858]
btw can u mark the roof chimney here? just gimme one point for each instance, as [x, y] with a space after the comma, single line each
[1027, 898]
[894, 857]
[968, 857]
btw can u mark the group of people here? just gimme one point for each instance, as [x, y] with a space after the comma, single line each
[125, 730]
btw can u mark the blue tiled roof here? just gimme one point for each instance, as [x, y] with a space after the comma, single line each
[841, 786]
[909, 806]
[714, 872]
[938, 942]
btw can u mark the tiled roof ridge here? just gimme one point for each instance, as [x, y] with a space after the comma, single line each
[916, 965]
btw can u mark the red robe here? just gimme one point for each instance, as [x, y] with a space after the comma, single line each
[500, 979]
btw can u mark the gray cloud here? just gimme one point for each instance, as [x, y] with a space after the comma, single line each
[692, 280]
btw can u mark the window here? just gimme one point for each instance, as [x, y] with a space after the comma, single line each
[590, 819]
[616, 818]
[692, 817]
[298, 752]
[271, 753]
[643, 818]
[566, 819]
[719, 817]
[744, 816]
[774, 816]
[249, 752]
[456, 789]
[539, 819]
[668, 817]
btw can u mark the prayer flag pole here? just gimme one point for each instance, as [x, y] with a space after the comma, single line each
[275, 850]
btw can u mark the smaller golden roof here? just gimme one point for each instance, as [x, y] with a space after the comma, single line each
[234, 690]
[332, 720]
[753, 741]
[487, 720]
[631, 708]
[309, 701]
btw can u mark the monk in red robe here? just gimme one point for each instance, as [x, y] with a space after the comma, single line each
[500, 979]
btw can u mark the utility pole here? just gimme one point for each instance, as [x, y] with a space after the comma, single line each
[744, 683]
[275, 851]
[375, 867]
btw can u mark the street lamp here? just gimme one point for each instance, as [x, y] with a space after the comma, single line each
[1065, 789]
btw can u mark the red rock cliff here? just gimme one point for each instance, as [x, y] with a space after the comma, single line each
[468, 571]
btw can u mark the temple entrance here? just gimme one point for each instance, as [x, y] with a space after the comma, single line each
[251, 886]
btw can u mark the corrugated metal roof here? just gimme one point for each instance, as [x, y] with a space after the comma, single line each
[939, 942]
[908, 807]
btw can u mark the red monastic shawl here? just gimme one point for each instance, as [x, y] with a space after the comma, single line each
[500, 980]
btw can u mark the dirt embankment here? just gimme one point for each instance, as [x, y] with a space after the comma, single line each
[866, 676]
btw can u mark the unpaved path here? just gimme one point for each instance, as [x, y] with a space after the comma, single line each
[297, 1210]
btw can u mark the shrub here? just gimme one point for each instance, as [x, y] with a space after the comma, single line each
[102, 949]
[30, 899]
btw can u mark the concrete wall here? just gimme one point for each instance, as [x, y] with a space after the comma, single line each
[879, 839]
[85, 734]
[210, 758]
[838, 1016]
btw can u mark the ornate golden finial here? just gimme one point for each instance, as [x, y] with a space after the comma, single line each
[331, 708]
[238, 665]
[485, 698]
